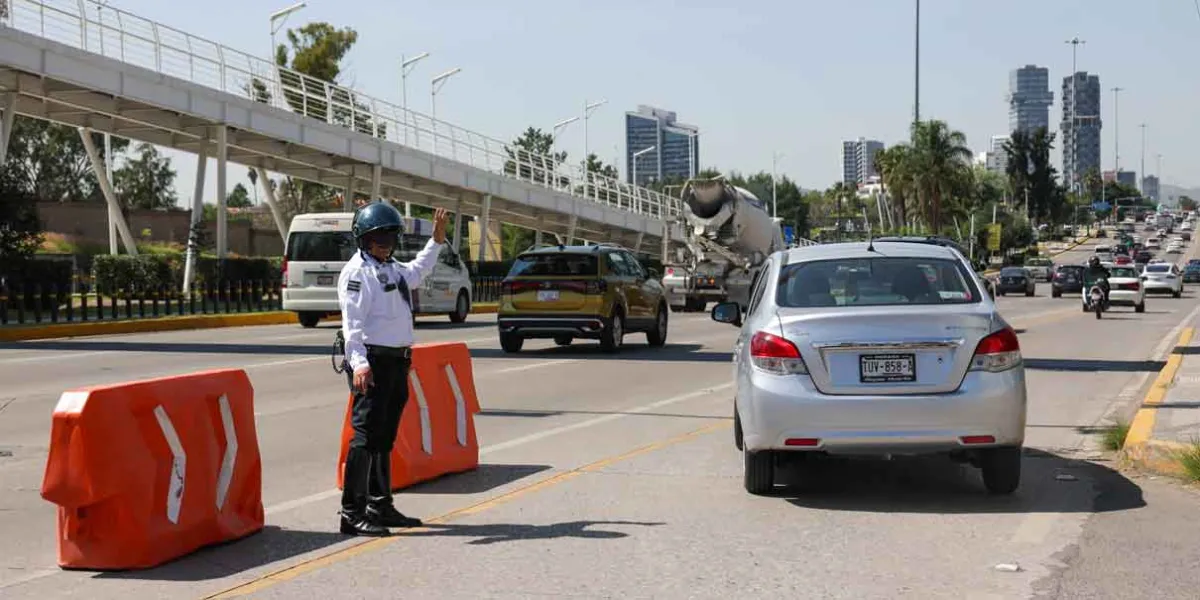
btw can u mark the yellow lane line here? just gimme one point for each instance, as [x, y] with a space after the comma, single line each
[1143, 423]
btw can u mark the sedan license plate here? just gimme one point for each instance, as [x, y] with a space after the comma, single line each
[887, 368]
[325, 280]
[547, 295]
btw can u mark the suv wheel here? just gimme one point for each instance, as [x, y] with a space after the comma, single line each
[614, 334]
[511, 343]
[657, 337]
[308, 320]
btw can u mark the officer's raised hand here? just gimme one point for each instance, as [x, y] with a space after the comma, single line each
[440, 218]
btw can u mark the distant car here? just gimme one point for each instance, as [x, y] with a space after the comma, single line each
[895, 350]
[1191, 273]
[1185, 235]
[1067, 278]
[1125, 289]
[1163, 278]
[1143, 257]
[1016, 280]
[1040, 267]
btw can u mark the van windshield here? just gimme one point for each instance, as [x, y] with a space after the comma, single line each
[320, 246]
[410, 245]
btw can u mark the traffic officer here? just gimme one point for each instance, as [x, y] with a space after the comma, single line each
[374, 293]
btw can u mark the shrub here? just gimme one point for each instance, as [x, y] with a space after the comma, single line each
[42, 281]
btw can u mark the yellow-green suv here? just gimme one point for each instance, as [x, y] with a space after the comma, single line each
[598, 292]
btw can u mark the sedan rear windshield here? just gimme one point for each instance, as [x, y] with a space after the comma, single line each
[1159, 268]
[1038, 262]
[1012, 272]
[320, 246]
[1123, 272]
[885, 281]
[555, 265]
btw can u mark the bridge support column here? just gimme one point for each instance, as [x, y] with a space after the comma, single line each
[537, 233]
[376, 181]
[571, 229]
[8, 104]
[222, 191]
[269, 195]
[666, 241]
[637, 245]
[106, 187]
[348, 193]
[189, 265]
[484, 215]
[458, 223]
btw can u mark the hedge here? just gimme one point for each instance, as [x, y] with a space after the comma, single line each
[46, 273]
[149, 272]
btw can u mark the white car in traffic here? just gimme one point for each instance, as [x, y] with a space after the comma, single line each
[1163, 277]
[1125, 288]
[884, 349]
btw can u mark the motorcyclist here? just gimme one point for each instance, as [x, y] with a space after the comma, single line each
[1097, 273]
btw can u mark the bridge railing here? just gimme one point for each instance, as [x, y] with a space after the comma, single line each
[117, 34]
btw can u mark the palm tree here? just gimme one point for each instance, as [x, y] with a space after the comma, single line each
[1018, 149]
[894, 166]
[941, 155]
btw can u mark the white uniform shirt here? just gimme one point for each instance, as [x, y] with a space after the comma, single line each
[371, 314]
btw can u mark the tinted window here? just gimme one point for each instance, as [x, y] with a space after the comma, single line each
[554, 265]
[320, 246]
[1038, 262]
[410, 244]
[1159, 268]
[1012, 272]
[875, 282]
[1124, 272]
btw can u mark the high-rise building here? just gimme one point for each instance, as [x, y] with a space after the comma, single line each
[1081, 124]
[996, 158]
[676, 146]
[858, 160]
[1150, 187]
[1029, 99]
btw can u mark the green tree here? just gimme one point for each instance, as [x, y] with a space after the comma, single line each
[48, 161]
[20, 228]
[895, 166]
[239, 197]
[146, 181]
[531, 157]
[1186, 203]
[940, 159]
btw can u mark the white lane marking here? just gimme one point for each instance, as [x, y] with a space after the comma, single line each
[536, 365]
[32, 576]
[178, 464]
[49, 354]
[527, 439]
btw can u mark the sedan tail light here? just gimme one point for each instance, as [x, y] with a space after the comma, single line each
[997, 352]
[776, 355]
[1129, 286]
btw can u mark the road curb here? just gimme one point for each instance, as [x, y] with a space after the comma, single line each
[1138, 449]
[22, 333]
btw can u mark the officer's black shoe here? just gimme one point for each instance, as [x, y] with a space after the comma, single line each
[388, 516]
[362, 525]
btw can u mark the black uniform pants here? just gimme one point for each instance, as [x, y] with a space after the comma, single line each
[375, 418]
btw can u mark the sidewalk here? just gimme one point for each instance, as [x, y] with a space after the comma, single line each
[1168, 422]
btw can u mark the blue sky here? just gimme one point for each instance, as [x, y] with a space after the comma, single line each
[795, 77]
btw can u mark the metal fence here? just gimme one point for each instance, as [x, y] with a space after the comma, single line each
[82, 301]
[102, 29]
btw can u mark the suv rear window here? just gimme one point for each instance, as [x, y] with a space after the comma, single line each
[555, 265]
[320, 246]
[875, 282]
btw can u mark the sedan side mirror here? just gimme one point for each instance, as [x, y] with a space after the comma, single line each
[728, 312]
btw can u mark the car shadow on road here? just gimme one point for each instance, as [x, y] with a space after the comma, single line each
[591, 351]
[1049, 484]
[272, 544]
[176, 347]
[493, 533]
[484, 478]
[1093, 365]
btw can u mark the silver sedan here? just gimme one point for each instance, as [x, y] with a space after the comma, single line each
[879, 349]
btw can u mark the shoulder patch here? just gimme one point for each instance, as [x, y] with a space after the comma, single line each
[354, 285]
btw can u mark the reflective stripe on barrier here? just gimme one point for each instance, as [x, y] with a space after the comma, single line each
[148, 471]
[437, 430]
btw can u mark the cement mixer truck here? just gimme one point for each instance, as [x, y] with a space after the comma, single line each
[728, 235]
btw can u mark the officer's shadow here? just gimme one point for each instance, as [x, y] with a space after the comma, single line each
[506, 532]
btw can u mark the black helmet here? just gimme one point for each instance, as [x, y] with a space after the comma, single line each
[376, 216]
[1094, 261]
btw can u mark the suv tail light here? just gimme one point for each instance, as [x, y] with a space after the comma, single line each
[776, 355]
[506, 288]
[283, 274]
[997, 352]
[596, 286]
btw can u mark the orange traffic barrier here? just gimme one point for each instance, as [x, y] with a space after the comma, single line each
[437, 430]
[149, 471]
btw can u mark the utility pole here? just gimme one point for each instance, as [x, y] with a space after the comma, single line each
[1116, 133]
[917, 66]
[1142, 172]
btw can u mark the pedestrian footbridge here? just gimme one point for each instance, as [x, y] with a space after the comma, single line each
[105, 70]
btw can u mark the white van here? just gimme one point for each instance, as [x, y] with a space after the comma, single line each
[318, 246]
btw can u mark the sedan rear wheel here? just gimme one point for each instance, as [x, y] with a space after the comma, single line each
[759, 471]
[1001, 469]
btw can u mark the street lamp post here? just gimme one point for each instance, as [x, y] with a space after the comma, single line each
[406, 66]
[587, 112]
[282, 15]
[554, 137]
[435, 85]
[917, 65]
[1074, 141]
[637, 155]
[1143, 168]
[1116, 132]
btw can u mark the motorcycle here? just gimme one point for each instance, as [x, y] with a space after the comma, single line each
[1093, 298]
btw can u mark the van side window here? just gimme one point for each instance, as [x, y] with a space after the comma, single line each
[448, 257]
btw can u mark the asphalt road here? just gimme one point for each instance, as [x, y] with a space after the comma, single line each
[616, 476]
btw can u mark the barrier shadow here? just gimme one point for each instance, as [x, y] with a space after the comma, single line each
[498, 532]
[934, 485]
[1093, 365]
[519, 413]
[592, 351]
[271, 545]
[485, 478]
[175, 347]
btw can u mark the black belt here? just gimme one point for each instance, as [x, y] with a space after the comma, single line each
[404, 352]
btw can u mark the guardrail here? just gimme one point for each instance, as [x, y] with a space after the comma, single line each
[112, 32]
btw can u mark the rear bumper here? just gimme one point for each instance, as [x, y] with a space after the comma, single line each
[1160, 286]
[773, 409]
[1124, 298]
[296, 302]
[551, 326]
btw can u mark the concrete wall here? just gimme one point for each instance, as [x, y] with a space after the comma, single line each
[88, 223]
